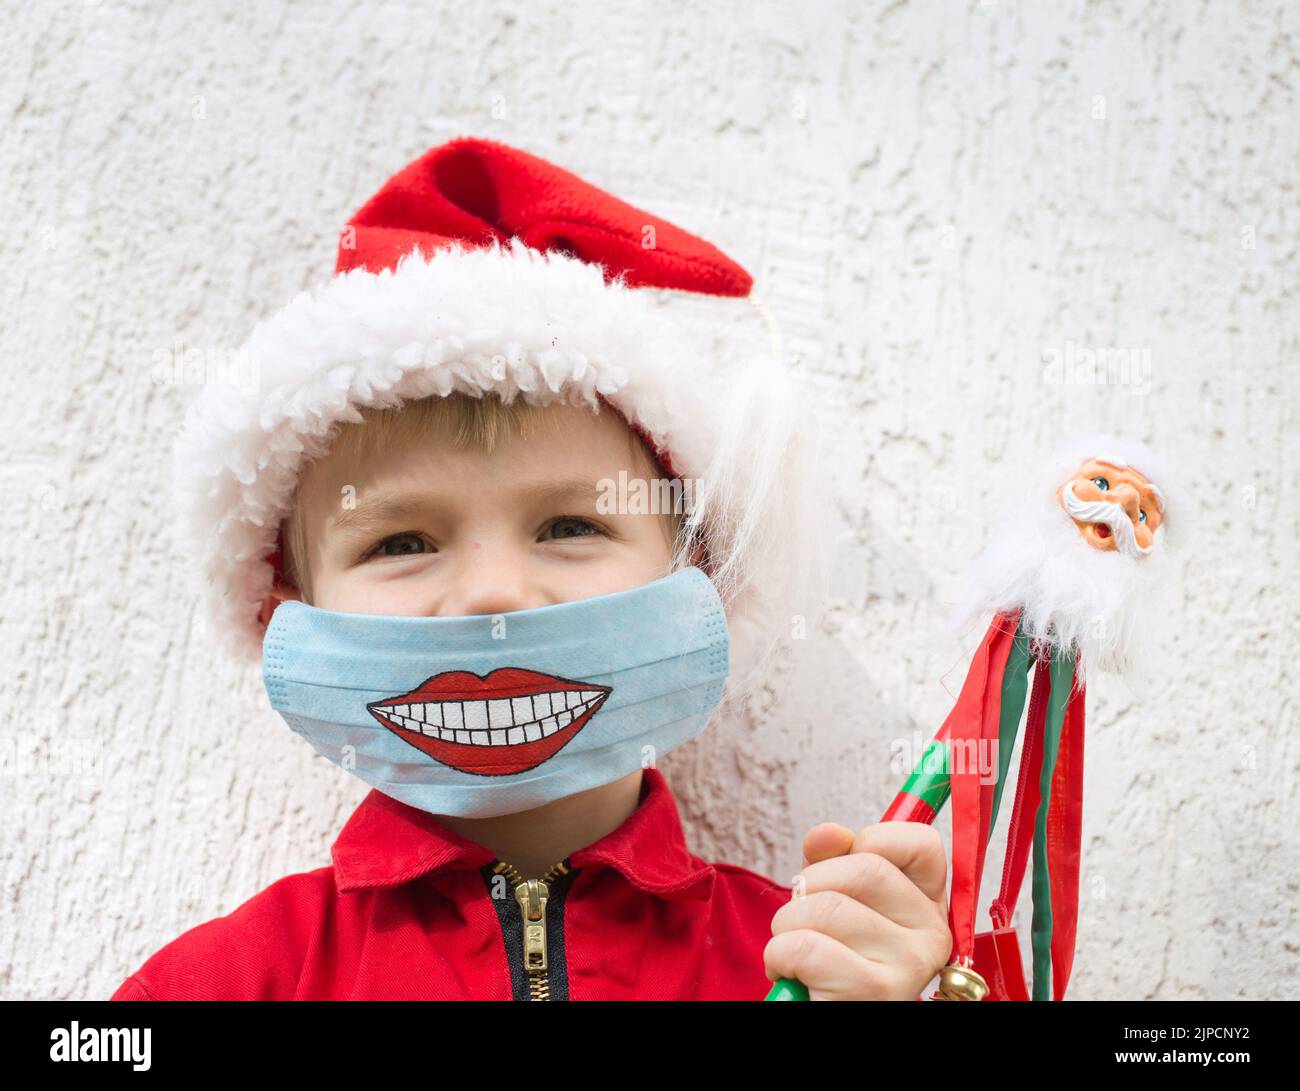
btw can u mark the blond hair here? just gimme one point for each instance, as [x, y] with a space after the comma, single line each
[475, 423]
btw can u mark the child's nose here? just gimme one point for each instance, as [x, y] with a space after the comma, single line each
[490, 582]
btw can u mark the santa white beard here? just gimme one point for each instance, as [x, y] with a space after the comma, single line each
[1102, 601]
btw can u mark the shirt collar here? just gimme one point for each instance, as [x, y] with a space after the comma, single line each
[386, 843]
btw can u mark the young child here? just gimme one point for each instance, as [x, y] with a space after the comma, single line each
[441, 517]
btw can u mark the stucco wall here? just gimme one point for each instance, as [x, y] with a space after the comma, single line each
[932, 197]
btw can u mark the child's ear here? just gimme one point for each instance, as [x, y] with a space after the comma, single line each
[281, 592]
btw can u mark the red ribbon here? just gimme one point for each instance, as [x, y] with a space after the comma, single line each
[974, 718]
[997, 953]
[1064, 832]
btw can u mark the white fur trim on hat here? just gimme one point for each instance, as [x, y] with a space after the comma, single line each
[698, 373]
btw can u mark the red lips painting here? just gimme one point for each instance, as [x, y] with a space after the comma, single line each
[504, 722]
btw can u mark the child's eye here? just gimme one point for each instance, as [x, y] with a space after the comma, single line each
[400, 545]
[570, 526]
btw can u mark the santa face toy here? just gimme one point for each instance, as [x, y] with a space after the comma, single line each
[1114, 506]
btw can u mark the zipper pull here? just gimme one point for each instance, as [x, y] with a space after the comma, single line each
[531, 895]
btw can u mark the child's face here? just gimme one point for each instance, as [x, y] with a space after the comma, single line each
[429, 529]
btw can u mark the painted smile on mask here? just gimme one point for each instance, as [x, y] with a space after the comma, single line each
[496, 724]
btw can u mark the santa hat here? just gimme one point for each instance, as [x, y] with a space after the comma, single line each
[481, 269]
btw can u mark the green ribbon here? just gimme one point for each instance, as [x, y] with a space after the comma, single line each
[1062, 678]
[1015, 684]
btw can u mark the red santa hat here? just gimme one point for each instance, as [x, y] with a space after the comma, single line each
[482, 269]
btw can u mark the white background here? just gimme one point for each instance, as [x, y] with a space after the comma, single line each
[932, 197]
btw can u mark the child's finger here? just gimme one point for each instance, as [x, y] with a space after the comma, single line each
[825, 840]
[859, 927]
[915, 848]
[829, 970]
[875, 881]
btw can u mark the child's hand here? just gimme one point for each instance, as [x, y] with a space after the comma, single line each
[872, 923]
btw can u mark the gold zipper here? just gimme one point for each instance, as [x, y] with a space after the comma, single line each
[532, 894]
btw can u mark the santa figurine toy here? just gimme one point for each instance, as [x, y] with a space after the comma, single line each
[1071, 576]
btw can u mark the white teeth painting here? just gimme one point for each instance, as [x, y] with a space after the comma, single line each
[502, 722]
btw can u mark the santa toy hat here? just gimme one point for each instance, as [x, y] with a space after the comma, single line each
[482, 269]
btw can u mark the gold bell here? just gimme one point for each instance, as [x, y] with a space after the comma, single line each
[960, 983]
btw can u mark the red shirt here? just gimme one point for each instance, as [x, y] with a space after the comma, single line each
[407, 912]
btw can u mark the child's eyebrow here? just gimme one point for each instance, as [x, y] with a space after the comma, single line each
[387, 509]
[560, 488]
[384, 510]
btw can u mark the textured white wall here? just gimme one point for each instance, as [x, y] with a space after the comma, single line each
[932, 196]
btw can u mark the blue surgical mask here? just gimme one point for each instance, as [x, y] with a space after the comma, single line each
[493, 714]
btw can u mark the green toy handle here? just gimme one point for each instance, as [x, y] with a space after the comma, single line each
[787, 988]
